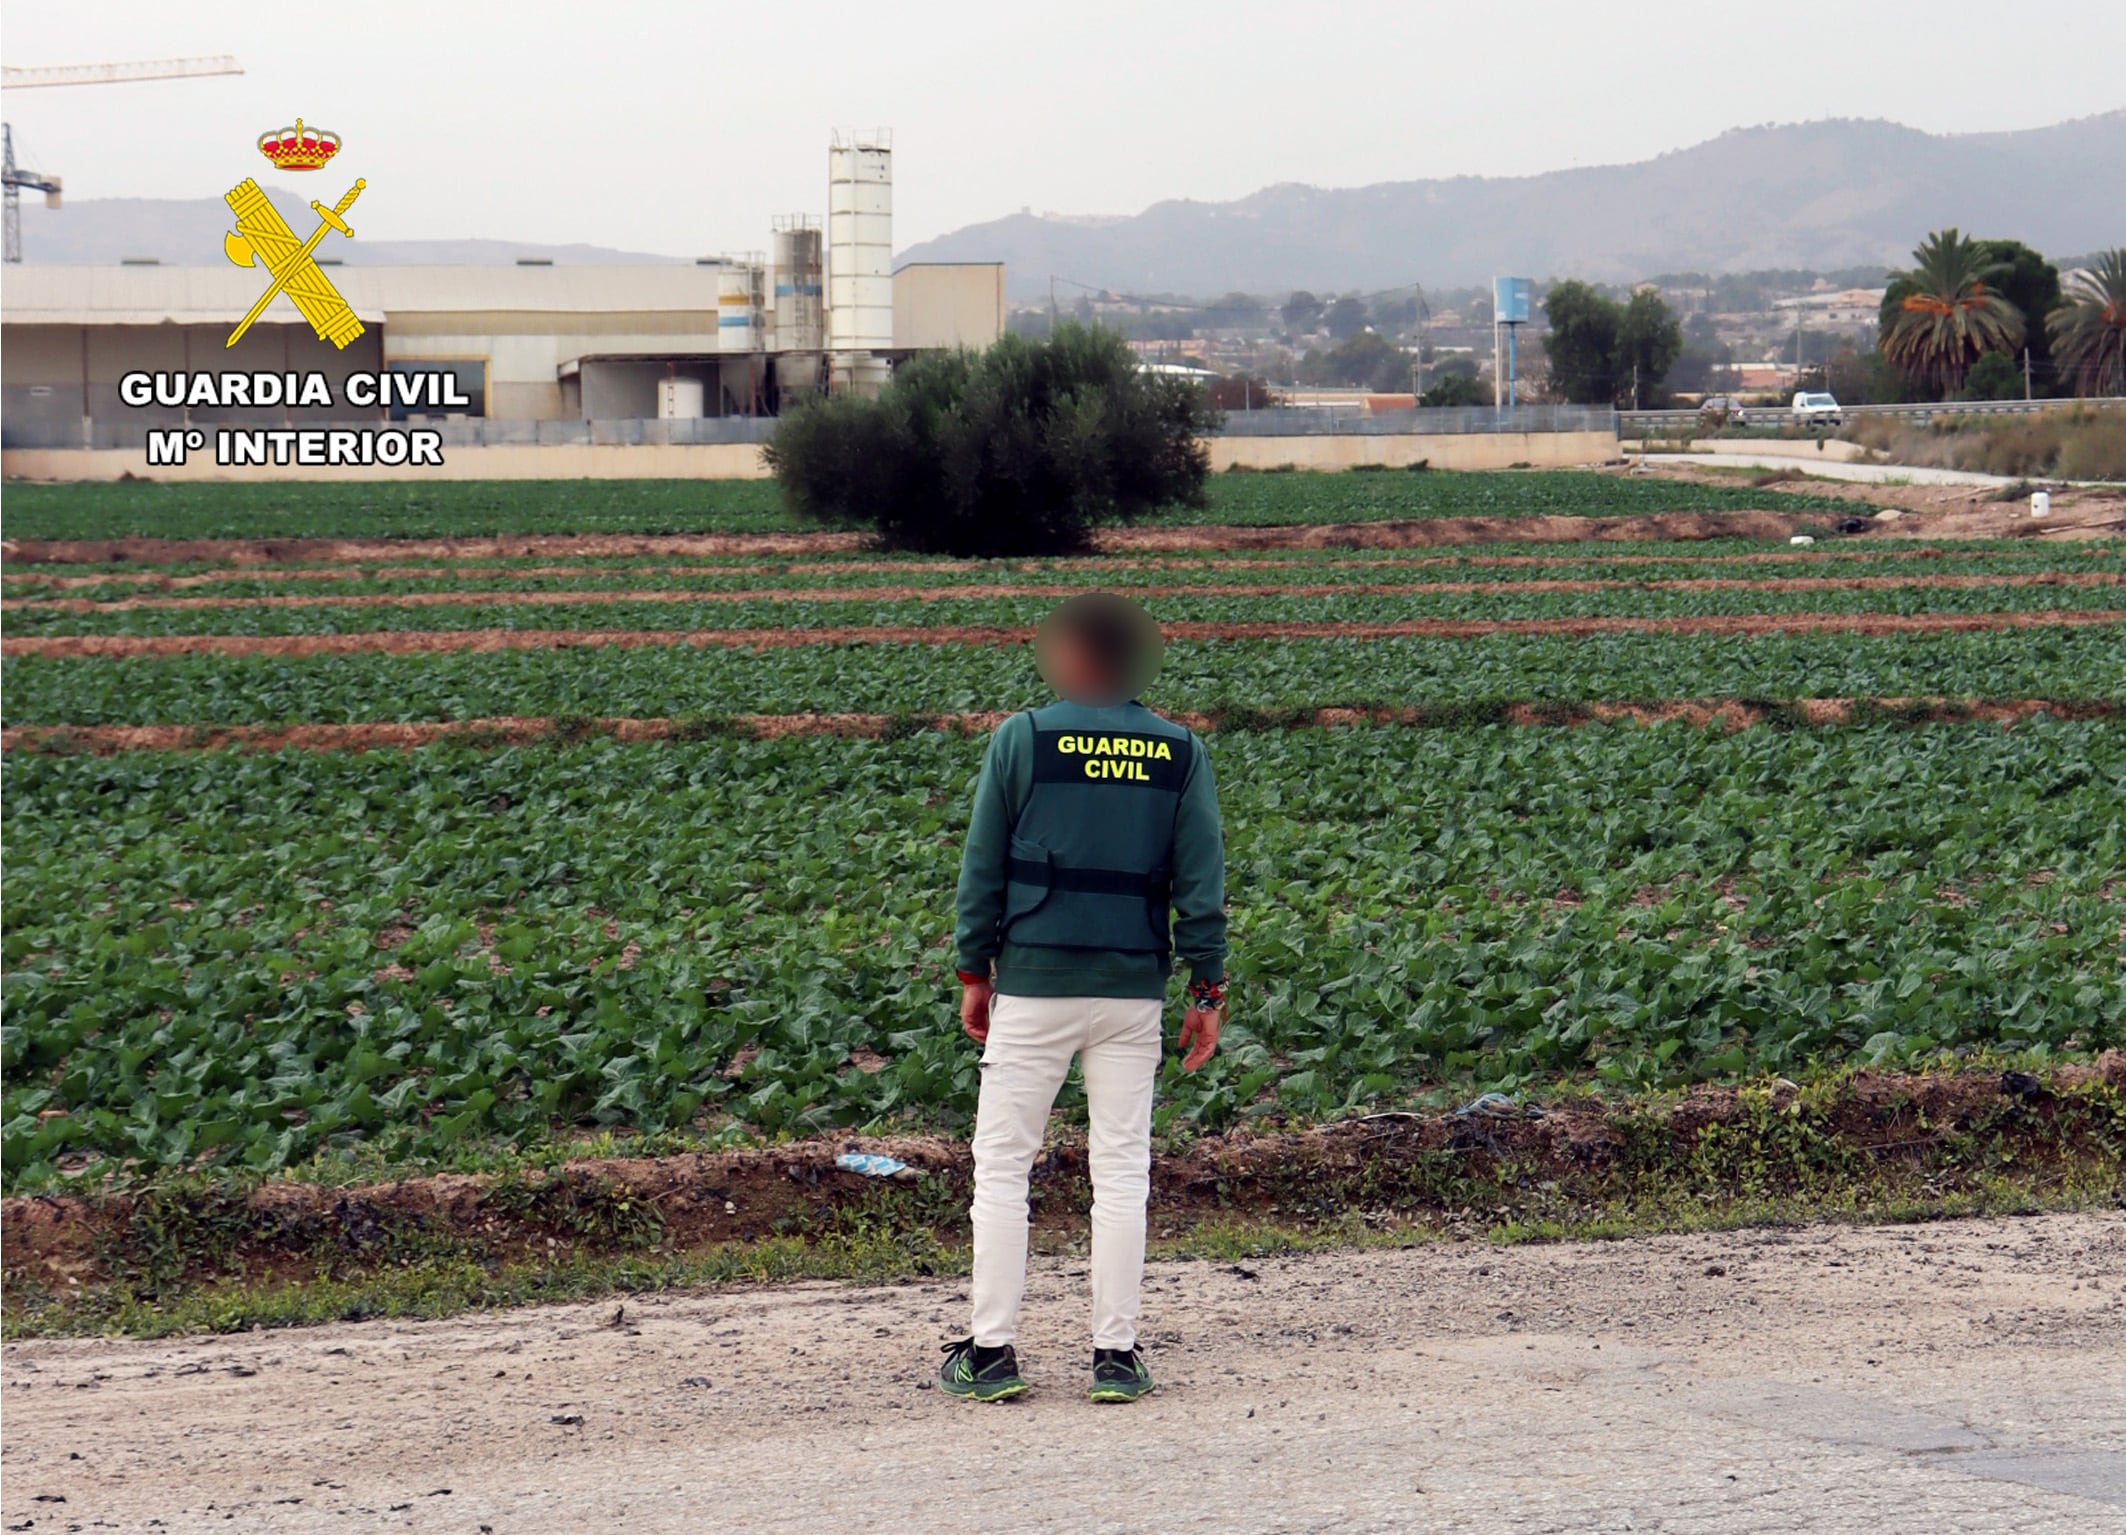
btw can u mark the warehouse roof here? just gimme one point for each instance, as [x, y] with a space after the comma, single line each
[154, 295]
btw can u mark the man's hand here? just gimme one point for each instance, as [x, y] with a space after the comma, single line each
[975, 1000]
[1199, 1034]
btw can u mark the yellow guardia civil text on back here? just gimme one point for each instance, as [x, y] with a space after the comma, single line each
[1114, 746]
[1102, 754]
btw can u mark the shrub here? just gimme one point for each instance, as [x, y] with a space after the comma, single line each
[1456, 389]
[1022, 449]
[2096, 448]
[1995, 376]
[2075, 443]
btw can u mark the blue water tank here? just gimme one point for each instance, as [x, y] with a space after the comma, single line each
[1513, 300]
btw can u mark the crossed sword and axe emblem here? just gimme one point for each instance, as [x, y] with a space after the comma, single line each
[262, 236]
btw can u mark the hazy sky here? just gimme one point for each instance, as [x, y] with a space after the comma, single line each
[682, 128]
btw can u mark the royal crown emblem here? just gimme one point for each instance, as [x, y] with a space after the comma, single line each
[299, 148]
[262, 237]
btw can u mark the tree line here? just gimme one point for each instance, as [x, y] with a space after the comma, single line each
[1978, 318]
[1971, 319]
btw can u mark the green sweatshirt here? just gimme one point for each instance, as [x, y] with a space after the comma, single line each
[1027, 971]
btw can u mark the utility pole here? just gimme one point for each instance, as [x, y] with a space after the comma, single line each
[1417, 371]
[1498, 375]
[2026, 375]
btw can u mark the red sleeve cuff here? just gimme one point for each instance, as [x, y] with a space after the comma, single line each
[969, 978]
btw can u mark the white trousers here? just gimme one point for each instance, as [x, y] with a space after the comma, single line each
[1118, 1041]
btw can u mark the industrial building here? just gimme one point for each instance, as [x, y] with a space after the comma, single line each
[727, 336]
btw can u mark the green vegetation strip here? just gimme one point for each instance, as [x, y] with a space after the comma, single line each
[255, 959]
[683, 682]
[761, 558]
[872, 578]
[231, 1252]
[872, 588]
[415, 508]
[762, 640]
[1499, 602]
[496, 732]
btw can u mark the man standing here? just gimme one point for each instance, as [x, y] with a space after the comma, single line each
[1095, 854]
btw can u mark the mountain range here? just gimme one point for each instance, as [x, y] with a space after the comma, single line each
[103, 231]
[1819, 195]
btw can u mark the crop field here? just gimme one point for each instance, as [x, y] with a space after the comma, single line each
[1616, 815]
[457, 509]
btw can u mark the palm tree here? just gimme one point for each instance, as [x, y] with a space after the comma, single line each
[1951, 314]
[2089, 327]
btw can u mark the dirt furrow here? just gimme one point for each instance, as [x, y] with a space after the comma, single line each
[1405, 533]
[754, 1191]
[435, 641]
[522, 730]
[993, 591]
[1836, 554]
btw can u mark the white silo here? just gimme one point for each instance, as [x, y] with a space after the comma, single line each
[741, 299]
[799, 294]
[860, 241]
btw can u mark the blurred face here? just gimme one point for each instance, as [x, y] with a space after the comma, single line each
[1079, 674]
[1098, 649]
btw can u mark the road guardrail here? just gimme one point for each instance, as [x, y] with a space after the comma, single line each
[1629, 421]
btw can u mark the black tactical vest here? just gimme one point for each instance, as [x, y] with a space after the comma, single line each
[1092, 849]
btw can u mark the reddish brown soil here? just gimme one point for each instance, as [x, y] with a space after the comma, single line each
[1437, 532]
[164, 582]
[1419, 532]
[1418, 1162]
[522, 730]
[347, 551]
[1836, 554]
[973, 591]
[430, 641]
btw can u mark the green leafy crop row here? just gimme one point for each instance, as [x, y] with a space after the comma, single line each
[880, 577]
[1674, 557]
[662, 681]
[252, 957]
[1269, 499]
[1500, 602]
[424, 508]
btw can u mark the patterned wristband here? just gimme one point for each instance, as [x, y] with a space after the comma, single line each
[1206, 994]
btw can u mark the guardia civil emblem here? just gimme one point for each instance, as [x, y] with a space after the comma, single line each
[262, 237]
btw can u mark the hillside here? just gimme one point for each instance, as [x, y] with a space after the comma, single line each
[102, 231]
[1821, 195]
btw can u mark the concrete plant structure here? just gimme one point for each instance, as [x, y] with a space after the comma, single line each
[727, 336]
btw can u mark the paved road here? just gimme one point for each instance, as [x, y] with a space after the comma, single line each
[1832, 469]
[1963, 1376]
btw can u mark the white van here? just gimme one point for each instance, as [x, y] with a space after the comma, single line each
[1817, 410]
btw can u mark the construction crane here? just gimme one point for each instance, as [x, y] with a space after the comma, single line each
[15, 79]
[16, 181]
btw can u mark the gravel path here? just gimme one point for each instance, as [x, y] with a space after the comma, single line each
[1957, 1376]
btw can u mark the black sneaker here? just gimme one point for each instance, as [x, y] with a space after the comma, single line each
[979, 1374]
[1119, 1375]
